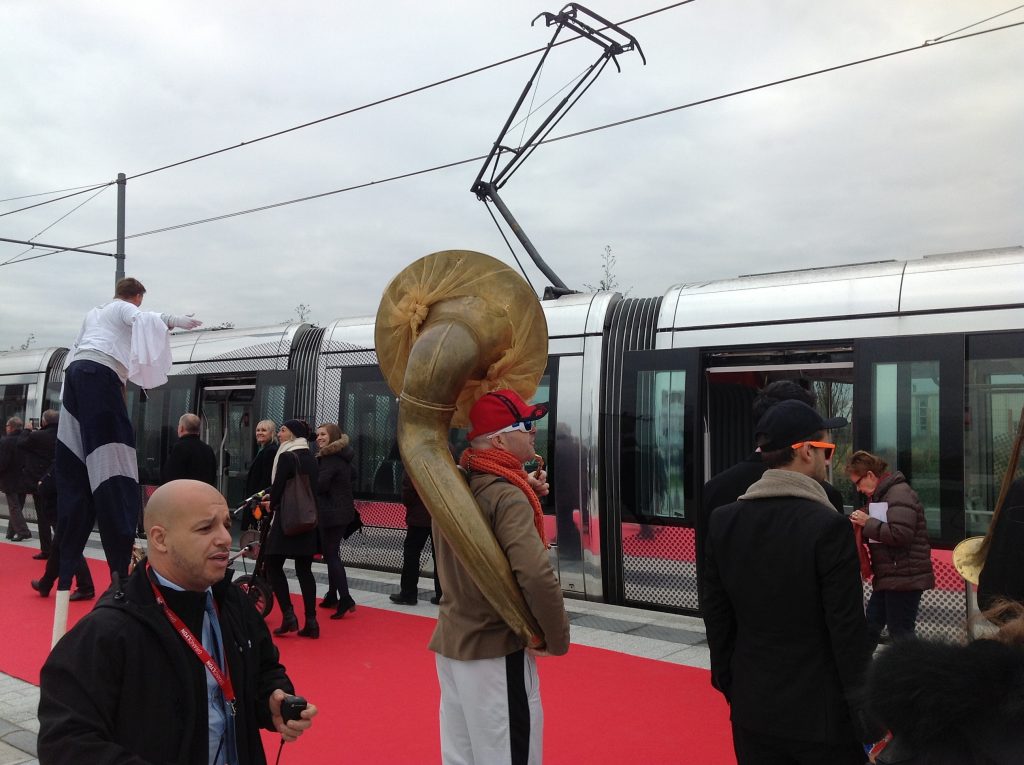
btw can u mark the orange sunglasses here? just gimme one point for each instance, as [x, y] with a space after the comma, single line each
[829, 448]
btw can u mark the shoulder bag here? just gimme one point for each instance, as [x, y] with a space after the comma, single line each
[298, 506]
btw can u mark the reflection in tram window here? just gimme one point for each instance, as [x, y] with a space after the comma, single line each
[995, 397]
[658, 464]
[906, 428]
[371, 422]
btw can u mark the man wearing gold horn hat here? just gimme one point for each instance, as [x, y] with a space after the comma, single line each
[490, 694]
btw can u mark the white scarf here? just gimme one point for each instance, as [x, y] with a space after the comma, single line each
[287, 446]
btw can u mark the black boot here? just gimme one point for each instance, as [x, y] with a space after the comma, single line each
[42, 587]
[330, 600]
[288, 624]
[345, 605]
[312, 629]
[404, 599]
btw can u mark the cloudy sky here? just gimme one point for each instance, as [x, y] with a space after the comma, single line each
[899, 158]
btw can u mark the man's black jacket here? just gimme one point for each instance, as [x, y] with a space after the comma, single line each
[122, 686]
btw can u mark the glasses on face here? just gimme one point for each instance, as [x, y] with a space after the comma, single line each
[857, 482]
[525, 426]
[828, 448]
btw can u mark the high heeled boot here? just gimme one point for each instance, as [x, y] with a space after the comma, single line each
[345, 605]
[312, 629]
[289, 623]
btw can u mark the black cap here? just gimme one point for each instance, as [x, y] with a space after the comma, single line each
[789, 422]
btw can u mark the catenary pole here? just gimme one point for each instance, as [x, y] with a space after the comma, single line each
[119, 253]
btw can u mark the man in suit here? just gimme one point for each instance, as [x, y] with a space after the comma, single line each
[190, 458]
[783, 603]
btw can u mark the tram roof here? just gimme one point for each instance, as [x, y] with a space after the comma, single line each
[25, 362]
[945, 282]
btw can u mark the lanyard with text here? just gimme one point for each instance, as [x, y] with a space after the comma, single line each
[222, 677]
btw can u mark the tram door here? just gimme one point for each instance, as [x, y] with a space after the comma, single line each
[228, 427]
[733, 383]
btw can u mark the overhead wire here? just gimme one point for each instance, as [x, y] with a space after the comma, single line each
[961, 29]
[62, 217]
[343, 113]
[57, 199]
[47, 193]
[576, 134]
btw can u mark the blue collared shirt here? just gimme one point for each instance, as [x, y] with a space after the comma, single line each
[221, 730]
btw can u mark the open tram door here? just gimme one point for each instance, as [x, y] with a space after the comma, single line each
[230, 411]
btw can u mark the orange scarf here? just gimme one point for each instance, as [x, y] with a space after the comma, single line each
[505, 465]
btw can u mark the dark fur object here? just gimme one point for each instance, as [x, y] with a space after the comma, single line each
[949, 704]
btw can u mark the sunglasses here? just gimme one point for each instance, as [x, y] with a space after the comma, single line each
[825, 445]
[524, 426]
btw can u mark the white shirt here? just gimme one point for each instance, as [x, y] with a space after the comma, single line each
[109, 335]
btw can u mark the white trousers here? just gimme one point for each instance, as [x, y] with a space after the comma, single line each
[490, 711]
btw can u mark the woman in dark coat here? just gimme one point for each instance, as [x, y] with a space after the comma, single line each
[293, 458]
[337, 510]
[900, 552]
[262, 466]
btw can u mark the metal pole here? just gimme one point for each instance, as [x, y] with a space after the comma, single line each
[488, 190]
[119, 253]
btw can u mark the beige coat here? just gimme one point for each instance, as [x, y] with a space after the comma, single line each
[468, 627]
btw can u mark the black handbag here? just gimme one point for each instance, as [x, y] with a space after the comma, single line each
[355, 525]
[298, 505]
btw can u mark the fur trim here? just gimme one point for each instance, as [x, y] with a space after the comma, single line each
[334, 446]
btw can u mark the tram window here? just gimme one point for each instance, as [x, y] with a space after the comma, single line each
[905, 422]
[271, 402]
[12, 401]
[995, 397]
[371, 422]
[657, 455]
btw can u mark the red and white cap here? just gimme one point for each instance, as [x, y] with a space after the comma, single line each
[499, 409]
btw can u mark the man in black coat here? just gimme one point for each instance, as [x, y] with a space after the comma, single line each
[37, 451]
[12, 480]
[727, 486]
[783, 603]
[190, 457]
[127, 685]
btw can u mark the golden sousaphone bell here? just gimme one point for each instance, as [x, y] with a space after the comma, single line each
[451, 327]
[965, 559]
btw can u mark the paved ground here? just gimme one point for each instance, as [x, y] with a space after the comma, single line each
[664, 637]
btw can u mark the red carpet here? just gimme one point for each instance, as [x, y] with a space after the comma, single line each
[374, 681]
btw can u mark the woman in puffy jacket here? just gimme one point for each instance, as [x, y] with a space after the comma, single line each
[337, 510]
[293, 459]
[900, 552]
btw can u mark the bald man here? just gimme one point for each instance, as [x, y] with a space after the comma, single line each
[190, 457]
[141, 678]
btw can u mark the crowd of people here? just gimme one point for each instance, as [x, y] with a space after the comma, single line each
[793, 649]
[780, 565]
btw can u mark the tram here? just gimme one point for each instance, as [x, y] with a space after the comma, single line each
[649, 397]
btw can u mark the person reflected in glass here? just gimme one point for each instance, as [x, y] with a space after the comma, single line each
[894, 526]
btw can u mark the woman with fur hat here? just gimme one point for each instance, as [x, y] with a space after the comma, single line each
[337, 510]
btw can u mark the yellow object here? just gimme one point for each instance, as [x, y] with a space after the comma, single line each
[451, 327]
[964, 555]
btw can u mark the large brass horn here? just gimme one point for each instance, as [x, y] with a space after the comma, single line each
[451, 327]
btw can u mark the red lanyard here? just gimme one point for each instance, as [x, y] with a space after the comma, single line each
[223, 678]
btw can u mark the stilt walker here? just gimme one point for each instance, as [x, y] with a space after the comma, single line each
[95, 467]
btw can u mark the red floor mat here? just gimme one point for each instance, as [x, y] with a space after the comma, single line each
[373, 679]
